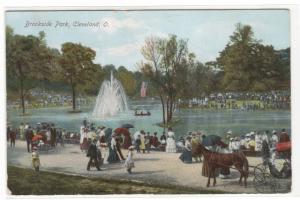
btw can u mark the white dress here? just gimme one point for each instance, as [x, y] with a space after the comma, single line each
[171, 145]
[81, 134]
[129, 163]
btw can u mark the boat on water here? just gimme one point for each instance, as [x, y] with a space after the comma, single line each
[142, 113]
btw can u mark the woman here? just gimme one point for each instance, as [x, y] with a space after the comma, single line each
[113, 155]
[142, 145]
[186, 156]
[171, 145]
[102, 145]
[129, 163]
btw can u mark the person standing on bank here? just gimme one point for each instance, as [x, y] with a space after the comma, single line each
[92, 153]
[35, 159]
[129, 163]
[29, 135]
[171, 145]
[186, 156]
[138, 143]
[12, 136]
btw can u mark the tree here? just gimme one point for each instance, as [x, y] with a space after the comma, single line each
[77, 66]
[127, 79]
[247, 64]
[166, 67]
[28, 59]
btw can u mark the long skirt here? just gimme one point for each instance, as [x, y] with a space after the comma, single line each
[113, 156]
[186, 156]
[206, 170]
[84, 145]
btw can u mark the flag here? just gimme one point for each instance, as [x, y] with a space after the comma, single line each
[143, 89]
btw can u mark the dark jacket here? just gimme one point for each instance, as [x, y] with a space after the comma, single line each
[92, 151]
[29, 134]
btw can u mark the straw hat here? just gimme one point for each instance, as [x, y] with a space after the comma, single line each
[131, 148]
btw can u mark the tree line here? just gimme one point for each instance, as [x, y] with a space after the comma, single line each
[171, 69]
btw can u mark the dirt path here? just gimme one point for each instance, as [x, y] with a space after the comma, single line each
[156, 167]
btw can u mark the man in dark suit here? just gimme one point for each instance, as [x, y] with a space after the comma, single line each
[29, 135]
[92, 153]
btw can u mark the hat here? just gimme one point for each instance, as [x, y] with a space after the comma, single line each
[229, 132]
[248, 135]
[131, 148]
[252, 133]
[231, 139]
[274, 132]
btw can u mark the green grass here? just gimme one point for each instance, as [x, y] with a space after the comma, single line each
[28, 182]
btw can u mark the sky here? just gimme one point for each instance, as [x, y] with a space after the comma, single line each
[119, 35]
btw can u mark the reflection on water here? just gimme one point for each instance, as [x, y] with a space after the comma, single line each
[208, 121]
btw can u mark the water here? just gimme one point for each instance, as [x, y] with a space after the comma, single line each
[208, 121]
[111, 99]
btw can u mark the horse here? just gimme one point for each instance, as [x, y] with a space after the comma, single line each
[220, 160]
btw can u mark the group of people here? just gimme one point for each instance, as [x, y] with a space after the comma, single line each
[253, 141]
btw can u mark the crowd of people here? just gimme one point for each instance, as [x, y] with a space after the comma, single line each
[248, 101]
[103, 145]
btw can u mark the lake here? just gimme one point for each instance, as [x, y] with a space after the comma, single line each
[208, 121]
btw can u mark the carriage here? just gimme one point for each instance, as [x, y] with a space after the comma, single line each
[275, 177]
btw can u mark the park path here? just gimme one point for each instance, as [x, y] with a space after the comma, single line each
[155, 167]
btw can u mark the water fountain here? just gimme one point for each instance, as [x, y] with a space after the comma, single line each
[111, 99]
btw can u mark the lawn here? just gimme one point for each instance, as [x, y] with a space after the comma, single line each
[28, 182]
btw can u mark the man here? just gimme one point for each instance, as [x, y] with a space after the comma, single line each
[12, 136]
[118, 147]
[147, 142]
[138, 143]
[29, 135]
[92, 153]
[53, 135]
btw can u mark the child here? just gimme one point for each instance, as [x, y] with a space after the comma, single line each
[35, 159]
[129, 164]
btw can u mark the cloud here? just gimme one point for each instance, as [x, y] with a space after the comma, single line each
[124, 49]
[111, 24]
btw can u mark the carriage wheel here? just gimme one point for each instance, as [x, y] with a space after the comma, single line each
[261, 168]
[264, 183]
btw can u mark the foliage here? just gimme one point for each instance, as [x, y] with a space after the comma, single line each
[167, 68]
[77, 66]
[28, 60]
[247, 64]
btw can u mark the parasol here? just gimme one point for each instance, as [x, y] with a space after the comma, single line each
[37, 137]
[127, 126]
[211, 140]
[123, 131]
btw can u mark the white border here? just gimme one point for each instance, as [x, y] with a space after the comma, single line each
[158, 4]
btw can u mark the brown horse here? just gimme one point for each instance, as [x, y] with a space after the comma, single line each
[220, 160]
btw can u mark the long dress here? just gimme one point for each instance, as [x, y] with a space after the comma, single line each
[129, 163]
[171, 145]
[113, 155]
[142, 145]
[103, 146]
[186, 156]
